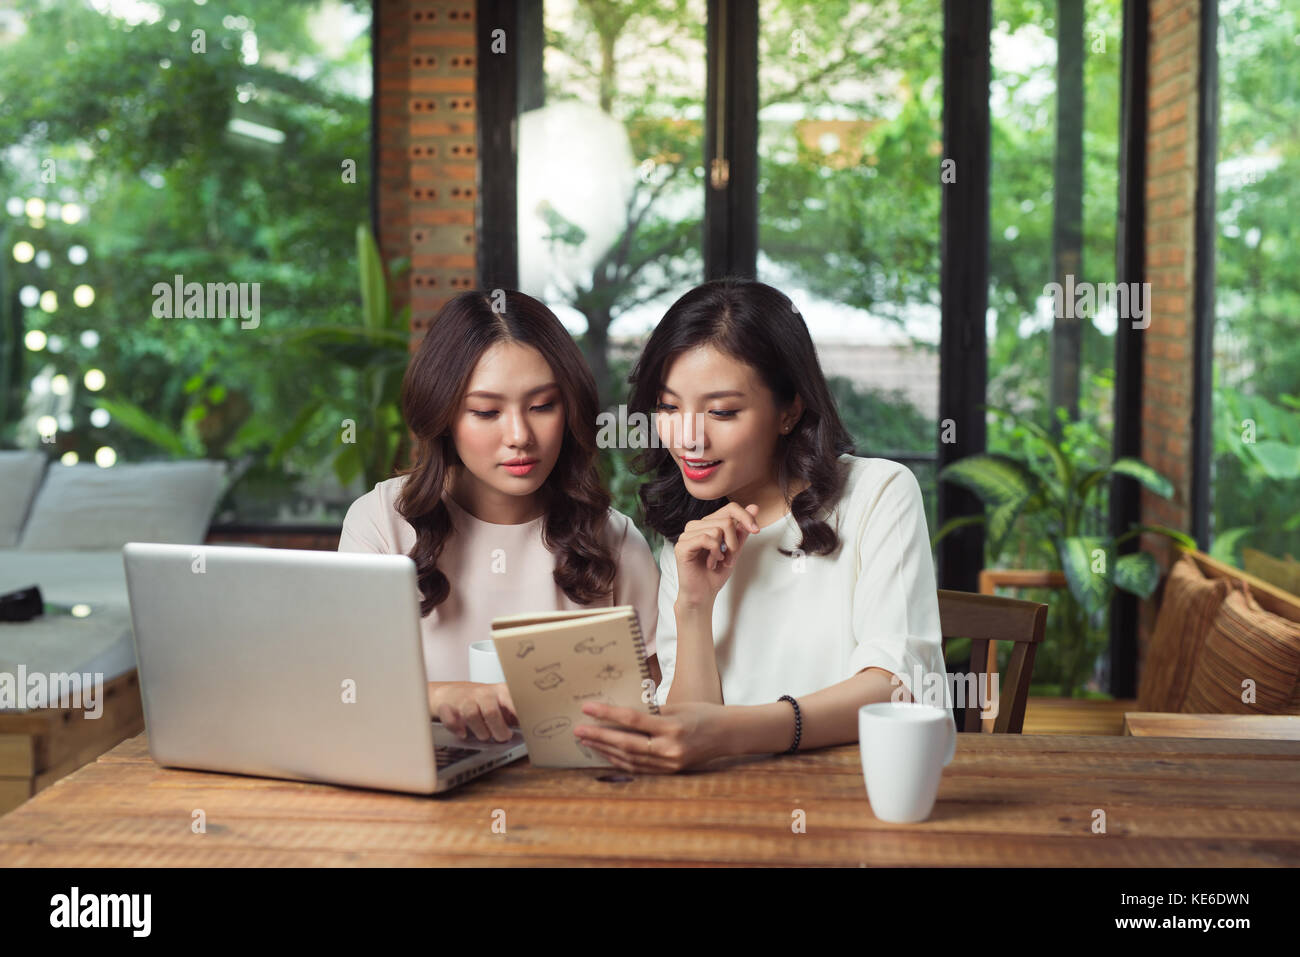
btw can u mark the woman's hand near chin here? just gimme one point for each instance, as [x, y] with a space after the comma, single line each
[706, 552]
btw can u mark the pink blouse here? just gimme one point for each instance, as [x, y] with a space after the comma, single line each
[495, 570]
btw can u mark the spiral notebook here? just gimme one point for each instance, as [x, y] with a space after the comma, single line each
[555, 662]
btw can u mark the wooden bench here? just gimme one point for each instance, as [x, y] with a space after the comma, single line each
[1047, 715]
[38, 747]
[1253, 727]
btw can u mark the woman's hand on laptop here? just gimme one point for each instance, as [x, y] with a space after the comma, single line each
[465, 707]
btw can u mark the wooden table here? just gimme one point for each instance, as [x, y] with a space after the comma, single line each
[1162, 724]
[1006, 800]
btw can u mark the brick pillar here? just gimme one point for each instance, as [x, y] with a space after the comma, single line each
[428, 156]
[1172, 100]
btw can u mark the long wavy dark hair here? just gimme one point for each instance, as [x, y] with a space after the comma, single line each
[576, 504]
[761, 327]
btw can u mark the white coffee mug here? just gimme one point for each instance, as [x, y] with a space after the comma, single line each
[484, 665]
[905, 747]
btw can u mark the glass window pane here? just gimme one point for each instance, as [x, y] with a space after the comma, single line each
[215, 149]
[1053, 303]
[610, 182]
[611, 185]
[1256, 460]
[850, 137]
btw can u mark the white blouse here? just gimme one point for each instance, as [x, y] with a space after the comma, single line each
[796, 624]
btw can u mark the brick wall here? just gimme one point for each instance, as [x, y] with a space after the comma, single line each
[1173, 69]
[428, 149]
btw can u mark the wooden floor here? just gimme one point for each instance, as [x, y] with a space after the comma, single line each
[1076, 716]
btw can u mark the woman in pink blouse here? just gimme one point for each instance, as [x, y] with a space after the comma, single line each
[503, 511]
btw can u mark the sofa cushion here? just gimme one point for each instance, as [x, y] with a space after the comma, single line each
[1188, 607]
[1245, 642]
[20, 477]
[85, 506]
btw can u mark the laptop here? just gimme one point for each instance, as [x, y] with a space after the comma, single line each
[285, 663]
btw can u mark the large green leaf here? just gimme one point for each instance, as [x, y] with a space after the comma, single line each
[402, 322]
[352, 346]
[1145, 474]
[390, 390]
[1064, 472]
[1137, 573]
[293, 435]
[1277, 459]
[961, 521]
[1089, 479]
[374, 291]
[1181, 537]
[996, 479]
[1002, 519]
[348, 463]
[135, 419]
[1091, 589]
[1224, 546]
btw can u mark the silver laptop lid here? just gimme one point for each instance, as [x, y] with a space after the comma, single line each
[281, 662]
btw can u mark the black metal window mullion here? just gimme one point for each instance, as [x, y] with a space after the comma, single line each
[1207, 130]
[731, 140]
[497, 102]
[963, 272]
[1130, 266]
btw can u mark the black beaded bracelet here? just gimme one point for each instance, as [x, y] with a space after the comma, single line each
[798, 723]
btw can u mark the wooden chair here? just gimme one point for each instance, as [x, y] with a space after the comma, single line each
[987, 618]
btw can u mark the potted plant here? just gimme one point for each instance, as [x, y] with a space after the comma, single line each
[378, 350]
[1056, 483]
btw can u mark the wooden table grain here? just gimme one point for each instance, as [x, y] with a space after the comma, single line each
[1006, 800]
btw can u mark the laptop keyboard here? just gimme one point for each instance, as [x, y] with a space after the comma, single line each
[446, 754]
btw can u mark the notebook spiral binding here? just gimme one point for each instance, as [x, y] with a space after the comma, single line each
[639, 643]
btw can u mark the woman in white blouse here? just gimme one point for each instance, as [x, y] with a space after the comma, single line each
[796, 582]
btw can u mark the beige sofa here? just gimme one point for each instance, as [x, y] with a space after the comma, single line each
[62, 529]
